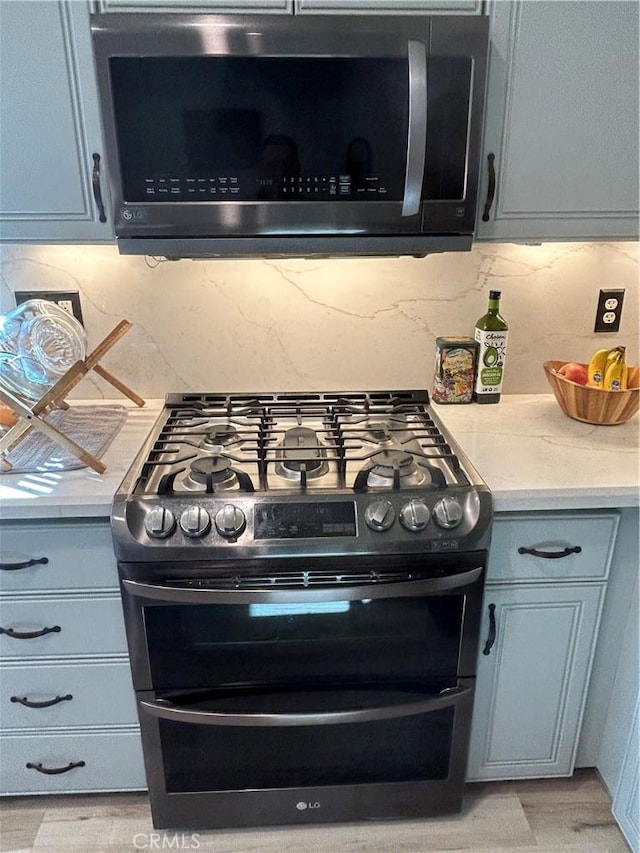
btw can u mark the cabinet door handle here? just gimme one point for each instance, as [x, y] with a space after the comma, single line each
[51, 771]
[30, 635]
[492, 630]
[29, 703]
[491, 189]
[97, 191]
[12, 567]
[550, 555]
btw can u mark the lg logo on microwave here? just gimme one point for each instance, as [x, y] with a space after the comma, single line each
[302, 806]
[134, 214]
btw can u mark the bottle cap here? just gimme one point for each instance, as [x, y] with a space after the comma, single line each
[495, 294]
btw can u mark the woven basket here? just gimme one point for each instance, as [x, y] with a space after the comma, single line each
[594, 405]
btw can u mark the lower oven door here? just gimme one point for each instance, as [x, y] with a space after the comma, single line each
[270, 756]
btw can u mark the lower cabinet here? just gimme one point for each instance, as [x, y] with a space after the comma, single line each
[67, 708]
[531, 682]
[626, 799]
[71, 762]
[618, 758]
[546, 584]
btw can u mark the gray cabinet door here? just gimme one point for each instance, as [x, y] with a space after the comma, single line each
[562, 121]
[211, 7]
[49, 124]
[404, 7]
[531, 686]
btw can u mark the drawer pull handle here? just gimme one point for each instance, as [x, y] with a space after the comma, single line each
[550, 555]
[12, 567]
[52, 771]
[29, 703]
[492, 630]
[30, 635]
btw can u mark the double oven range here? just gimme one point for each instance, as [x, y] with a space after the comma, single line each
[302, 580]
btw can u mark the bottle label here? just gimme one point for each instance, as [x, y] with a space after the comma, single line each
[492, 350]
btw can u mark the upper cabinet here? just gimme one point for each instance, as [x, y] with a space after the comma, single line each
[50, 136]
[406, 7]
[561, 122]
[332, 7]
[212, 7]
[561, 126]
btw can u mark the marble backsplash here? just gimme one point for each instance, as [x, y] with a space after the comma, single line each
[306, 325]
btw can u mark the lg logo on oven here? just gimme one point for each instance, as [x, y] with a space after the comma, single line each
[302, 806]
[134, 214]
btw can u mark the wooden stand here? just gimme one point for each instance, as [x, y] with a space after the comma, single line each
[31, 416]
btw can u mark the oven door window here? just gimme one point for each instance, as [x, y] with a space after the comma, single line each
[380, 640]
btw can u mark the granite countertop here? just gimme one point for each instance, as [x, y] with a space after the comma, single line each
[84, 492]
[530, 454]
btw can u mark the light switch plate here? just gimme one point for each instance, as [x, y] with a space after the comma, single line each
[609, 311]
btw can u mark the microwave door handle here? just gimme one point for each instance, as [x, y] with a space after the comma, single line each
[167, 711]
[417, 132]
[175, 594]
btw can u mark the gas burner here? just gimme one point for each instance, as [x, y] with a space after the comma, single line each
[378, 432]
[220, 435]
[298, 453]
[208, 470]
[384, 465]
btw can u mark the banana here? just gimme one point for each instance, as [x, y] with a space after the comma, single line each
[615, 374]
[596, 367]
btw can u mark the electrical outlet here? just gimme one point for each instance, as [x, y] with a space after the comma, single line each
[609, 311]
[68, 300]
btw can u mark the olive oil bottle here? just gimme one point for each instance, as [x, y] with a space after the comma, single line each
[491, 334]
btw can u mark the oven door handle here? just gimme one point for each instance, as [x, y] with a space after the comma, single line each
[165, 710]
[176, 594]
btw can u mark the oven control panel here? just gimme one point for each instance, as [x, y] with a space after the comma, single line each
[244, 527]
[292, 520]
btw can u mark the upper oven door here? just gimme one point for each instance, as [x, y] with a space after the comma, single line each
[249, 125]
[207, 632]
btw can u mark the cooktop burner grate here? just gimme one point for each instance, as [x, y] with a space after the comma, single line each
[298, 443]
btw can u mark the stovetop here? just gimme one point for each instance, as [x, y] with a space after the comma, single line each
[261, 474]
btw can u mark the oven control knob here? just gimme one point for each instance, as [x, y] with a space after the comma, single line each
[159, 522]
[415, 515]
[448, 513]
[230, 521]
[195, 522]
[379, 515]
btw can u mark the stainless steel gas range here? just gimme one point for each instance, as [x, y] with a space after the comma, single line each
[302, 582]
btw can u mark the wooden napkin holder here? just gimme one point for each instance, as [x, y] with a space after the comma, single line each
[31, 415]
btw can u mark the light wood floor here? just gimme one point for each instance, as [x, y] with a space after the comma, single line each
[550, 816]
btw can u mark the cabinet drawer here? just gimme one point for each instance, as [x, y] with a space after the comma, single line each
[78, 555]
[112, 762]
[99, 693]
[555, 538]
[82, 626]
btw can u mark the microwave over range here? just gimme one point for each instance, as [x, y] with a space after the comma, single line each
[291, 135]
